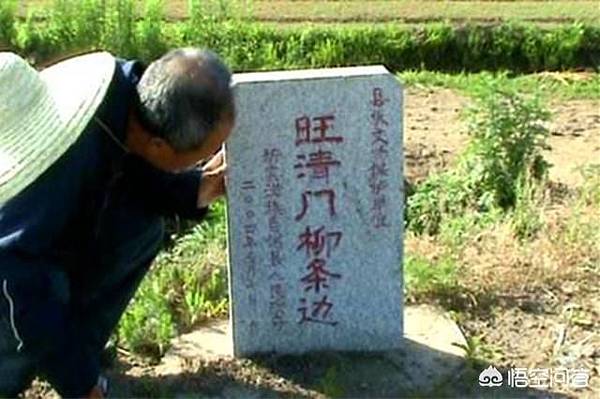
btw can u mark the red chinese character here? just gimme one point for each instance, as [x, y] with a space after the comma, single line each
[378, 119]
[249, 274]
[278, 293]
[377, 186]
[316, 241]
[379, 135]
[322, 125]
[249, 230]
[273, 187]
[378, 208]
[380, 221]
[302, 130]
[248, 185]
[379, 202]
[322, 128]
[319, 163]
[378, 169]
[330, 201]
[276, 259]
[271, 156]
[278, 321]
[319, 314]
[249, 242]
[379, 151]
[273, 207]
[378, 99]
[318, 275]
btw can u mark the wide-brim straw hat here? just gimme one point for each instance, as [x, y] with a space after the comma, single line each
[43, 113]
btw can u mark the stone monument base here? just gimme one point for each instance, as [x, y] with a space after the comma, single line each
[431, 356]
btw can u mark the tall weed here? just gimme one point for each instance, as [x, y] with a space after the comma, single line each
[503, 159]
[508, 135]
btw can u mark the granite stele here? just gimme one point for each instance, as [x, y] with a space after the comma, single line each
[315, 211]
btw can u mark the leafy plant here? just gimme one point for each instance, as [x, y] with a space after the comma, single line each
[425, 278]
[477, 350]
[508, 136]
[8, 10]
[151, 40]
[503, 158]
[119, 32]
[186, 285]
[147, 326]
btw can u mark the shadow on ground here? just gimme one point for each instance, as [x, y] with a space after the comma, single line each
[415, 371]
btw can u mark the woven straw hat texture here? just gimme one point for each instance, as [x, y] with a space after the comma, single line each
[43, 113]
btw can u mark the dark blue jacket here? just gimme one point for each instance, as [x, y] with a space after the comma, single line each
[52, 224]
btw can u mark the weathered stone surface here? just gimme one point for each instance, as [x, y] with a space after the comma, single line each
[432, 350]
[315, 211]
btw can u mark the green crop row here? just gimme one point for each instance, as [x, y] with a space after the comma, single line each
[71, 26]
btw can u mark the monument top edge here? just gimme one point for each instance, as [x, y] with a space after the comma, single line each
[310, 74]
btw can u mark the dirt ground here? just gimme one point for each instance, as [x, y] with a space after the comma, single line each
[533, 327]
[434, 133]
[536, 326]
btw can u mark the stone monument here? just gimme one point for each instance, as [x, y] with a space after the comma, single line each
[315, 211]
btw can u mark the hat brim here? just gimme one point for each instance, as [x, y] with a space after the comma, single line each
[76, 86]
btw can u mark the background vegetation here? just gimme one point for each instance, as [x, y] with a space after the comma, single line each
[127, 29]
[487, 229]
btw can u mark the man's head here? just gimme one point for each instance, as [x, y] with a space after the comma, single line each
[186, 109]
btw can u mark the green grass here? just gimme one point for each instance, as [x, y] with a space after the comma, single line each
[552, 86]
[186, 285]
[71, 26]
[424, 278]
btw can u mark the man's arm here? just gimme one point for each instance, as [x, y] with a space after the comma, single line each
[186, 194]
[165, 193]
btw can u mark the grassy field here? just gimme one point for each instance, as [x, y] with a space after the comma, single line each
[404, 11]
[551, 86]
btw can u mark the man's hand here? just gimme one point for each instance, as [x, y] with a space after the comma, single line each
[212, 185]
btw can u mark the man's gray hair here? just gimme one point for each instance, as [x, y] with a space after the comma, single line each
[184, 95]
